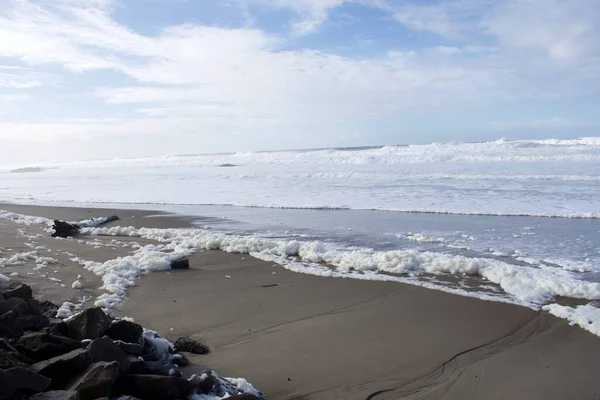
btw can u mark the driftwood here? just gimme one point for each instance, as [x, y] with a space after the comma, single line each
[65, 229]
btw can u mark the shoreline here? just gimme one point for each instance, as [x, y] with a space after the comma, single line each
[313, 337]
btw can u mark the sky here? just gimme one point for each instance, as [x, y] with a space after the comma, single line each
[88, 79]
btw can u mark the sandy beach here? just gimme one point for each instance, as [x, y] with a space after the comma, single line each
[297, 336]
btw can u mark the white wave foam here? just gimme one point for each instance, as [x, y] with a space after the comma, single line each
[586, 316]
[531, 286]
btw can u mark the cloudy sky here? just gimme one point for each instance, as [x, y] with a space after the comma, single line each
[84, 79]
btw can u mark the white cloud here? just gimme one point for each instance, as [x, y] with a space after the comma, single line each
[225, 82]
[312, 13]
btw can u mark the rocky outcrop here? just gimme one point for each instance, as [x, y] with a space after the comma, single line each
[91, 356]
[96, 381]
[92, 323]
[21, 381]
[64, 368]
[125, 331]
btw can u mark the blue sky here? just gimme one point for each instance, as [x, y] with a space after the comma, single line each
[84, 79]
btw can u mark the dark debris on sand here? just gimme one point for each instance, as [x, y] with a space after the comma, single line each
[92, 356]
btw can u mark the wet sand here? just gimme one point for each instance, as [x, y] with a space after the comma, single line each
[299, 336]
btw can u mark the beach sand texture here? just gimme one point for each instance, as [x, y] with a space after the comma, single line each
[297, 336]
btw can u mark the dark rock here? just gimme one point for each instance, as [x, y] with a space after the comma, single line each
[104, 349]
[125, 331]
[16, 304]
[210, 382]
[140, 367]
[48, 309]
[180, 360]
[64, 229]
[9, 325]
[153, 387]
[244, 396]
[180, 264]
[89, 324]
[56, 395]
[4, 345]
[64, 368]
[96, 381]
[42, 346]
[10, 360]
[12, 289]
[34, 307]
[133, 349]
[29, 322]
[205, 383]
[22, 381]
[156, 348]
[57, 327]
[190, 346]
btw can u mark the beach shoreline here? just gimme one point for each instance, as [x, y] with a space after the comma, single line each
[298, 336]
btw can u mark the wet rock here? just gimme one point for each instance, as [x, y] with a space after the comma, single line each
[244, 397]
[180, 264]
[42, 346]
[48, 309]
[64, 229]
[64, 368]
[140, 367]
[12, 289]
[16, 381]
[89, 324]
[133, 349]
[9, 325]
[10, 360]
[57, 327]
[29, 322]
[190, 346]
[104, 349]
[210, 382]
[4, 345]
[16, 304]
[125, 331]
[180, 360]
[56, 395]
[96, 381]
[153, 387]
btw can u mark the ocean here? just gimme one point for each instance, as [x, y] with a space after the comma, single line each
[513, 221]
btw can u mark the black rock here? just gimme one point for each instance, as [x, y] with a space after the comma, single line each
[48, 309]
[64, 229]
[180, 264]
[180, 360]
[57, 327]
[210, 382]
[153, 387]
[29, 322]
[10, 360]
[190, 346]
[5, 345]
[96, 381]
[133, 349]
[206, 383]
[42, 346]
[22, 381]
[56, 395]
[9, 325]
[15, 289]
[64, 368]
[104, 349]
[244, 396]
[125, 331]
[16, 304]
[141, 367]
[89, 324]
